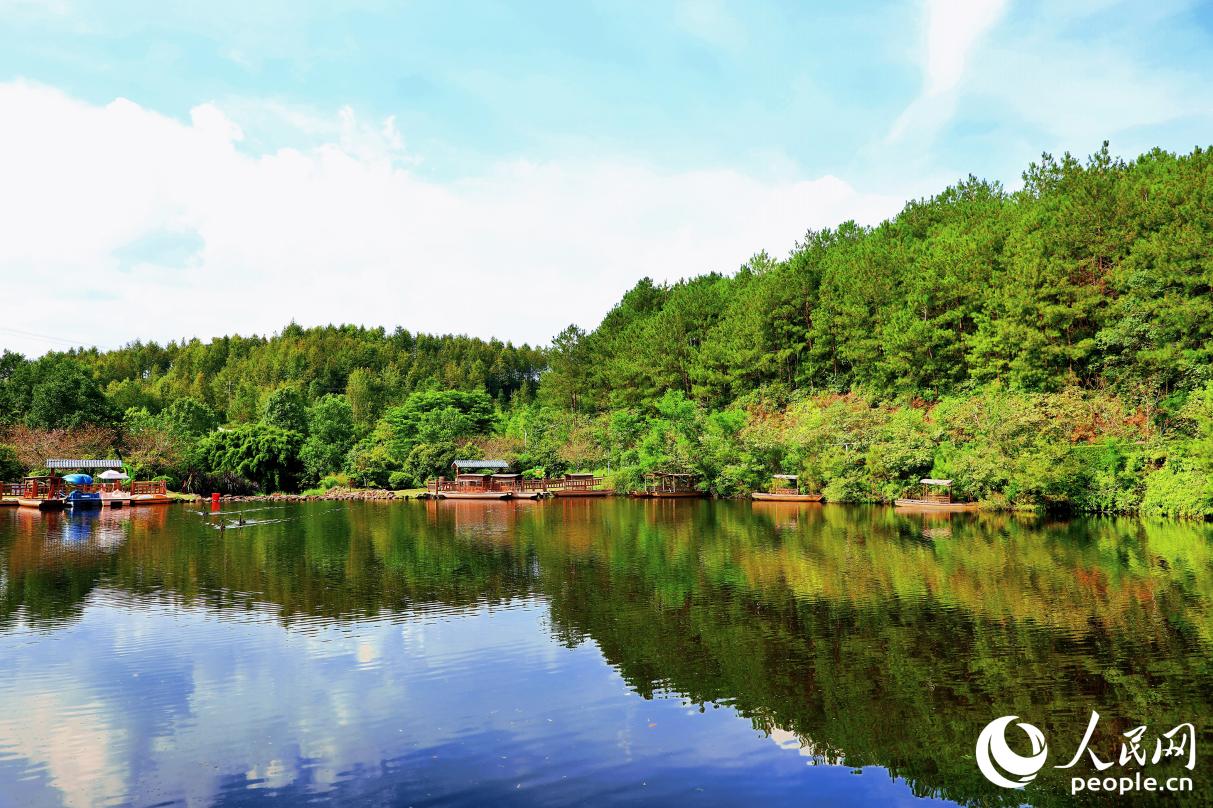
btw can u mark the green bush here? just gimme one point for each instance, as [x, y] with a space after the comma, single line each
[1180, 489]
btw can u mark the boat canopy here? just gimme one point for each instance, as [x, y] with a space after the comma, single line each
[785, 476]
[113, 474]
[933, 481]
[59, 463]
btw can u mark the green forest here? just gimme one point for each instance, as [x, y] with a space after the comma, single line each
[1046, 348]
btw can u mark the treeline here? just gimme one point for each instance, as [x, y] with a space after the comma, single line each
[1095, 275]
[1068, 321]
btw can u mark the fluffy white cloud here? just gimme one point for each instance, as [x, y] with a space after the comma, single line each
[952, 28]
[117, 222]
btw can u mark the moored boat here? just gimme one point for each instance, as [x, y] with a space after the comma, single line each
[784, 488]
[149, 492]
[81, 492]
[113, 495]
[42, 493]
[9, 492]
[936, 498]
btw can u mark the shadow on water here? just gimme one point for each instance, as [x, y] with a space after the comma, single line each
[856, 636]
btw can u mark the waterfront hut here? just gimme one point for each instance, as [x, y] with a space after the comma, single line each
[936, 495]
[785, 488]
[473, 479]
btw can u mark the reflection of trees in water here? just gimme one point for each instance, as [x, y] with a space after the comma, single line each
[869, 634]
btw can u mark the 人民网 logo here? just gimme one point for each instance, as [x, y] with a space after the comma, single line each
[994, 757]
[1008, 769]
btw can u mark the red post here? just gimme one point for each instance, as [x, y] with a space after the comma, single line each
[214, 502]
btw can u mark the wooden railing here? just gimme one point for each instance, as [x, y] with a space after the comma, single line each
[12, 489]
[577, 484]
[521, 484]
[518, 485]
[148, 487]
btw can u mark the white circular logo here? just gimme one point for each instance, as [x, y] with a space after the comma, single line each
[992, 749]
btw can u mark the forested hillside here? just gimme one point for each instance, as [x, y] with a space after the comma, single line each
[1096, 275]
[1048, 347]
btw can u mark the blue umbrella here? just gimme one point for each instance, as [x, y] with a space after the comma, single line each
[78, 479]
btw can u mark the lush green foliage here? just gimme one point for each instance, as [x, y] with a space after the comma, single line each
[265, 454]
[53, 392]
[330, 436]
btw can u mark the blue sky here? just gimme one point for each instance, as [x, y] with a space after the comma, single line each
[570, 147]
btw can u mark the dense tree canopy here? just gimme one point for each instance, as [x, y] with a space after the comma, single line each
[1096, 274]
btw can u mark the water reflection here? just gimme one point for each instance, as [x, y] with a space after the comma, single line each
[579, 649]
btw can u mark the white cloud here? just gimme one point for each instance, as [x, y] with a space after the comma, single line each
[953, 28]
[346, 230]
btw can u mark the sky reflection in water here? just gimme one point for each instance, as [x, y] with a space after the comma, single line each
[556, 653]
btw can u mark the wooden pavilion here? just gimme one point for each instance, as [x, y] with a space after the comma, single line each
[473, 479]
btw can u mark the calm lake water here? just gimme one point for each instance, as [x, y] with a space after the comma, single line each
[610, 651]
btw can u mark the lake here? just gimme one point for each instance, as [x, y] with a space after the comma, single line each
[594, 651]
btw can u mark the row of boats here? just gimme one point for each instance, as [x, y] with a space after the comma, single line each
[490, 479]
[78, 491]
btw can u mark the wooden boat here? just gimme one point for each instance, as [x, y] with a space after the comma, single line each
[149, 492]
[935, 507]
[42, 493]
[115, 497]
[581, 485]
[936, 498]
[9, 492]
[784, 488]
[769, 496]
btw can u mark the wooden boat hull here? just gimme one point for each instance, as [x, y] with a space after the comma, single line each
[41, 504]
[525, 494]
[762, 496]
[475, 495]
[150, 499]
[676, 494]
[585, 492]
[935, 507]
[115, 502]
[8, 502]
